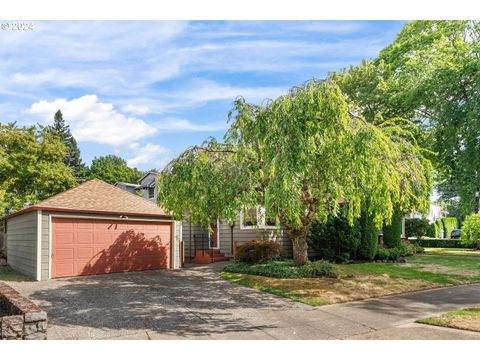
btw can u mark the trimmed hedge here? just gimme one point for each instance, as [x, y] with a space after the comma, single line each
[440, 243]
[417, 228]
[258, 251]
[449, 223]
[368, 237]
[393, 232]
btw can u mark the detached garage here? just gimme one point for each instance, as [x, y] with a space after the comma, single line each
[95, 228]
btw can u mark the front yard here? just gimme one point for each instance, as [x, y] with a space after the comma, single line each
[466, 319]
[434, 268]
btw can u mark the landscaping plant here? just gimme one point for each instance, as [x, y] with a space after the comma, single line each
[258, 251]
[471, 230]
[393, 232]
[417, 228]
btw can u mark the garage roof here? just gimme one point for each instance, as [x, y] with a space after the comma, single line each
[96, 196]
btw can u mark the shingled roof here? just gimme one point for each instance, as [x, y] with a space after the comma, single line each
[96, 196]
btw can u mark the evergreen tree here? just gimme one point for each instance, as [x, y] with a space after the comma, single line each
[72, 158]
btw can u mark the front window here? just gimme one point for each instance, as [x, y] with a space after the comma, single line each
[151, 193]
[253, 218]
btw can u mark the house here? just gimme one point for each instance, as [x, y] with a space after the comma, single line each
[94, 228]
[204, 246]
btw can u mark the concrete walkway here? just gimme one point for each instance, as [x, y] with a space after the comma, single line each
[194, 303]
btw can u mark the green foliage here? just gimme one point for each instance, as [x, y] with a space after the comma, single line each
[439, 243]
[297, 156]
[408, 248]
[438, 228]
[417, 228]
[471, 230]
[285, 269]
[368, 237]
[393, 232]
[336, 240]
[258, 251]
[31, 166]
[449, 223]
[72, 157]
[429, 75]
[392, 254]
[112, 168]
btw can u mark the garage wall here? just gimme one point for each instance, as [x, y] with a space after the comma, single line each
[22, 243]
[46, 236]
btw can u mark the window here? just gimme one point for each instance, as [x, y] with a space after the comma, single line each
[151, 192]
[255, 218]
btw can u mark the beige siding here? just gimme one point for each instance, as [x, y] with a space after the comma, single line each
[22, 243]
[244, 235]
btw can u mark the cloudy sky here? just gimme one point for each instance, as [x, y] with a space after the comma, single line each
[147, 90]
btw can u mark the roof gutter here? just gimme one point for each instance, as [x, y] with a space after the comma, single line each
[101, 212]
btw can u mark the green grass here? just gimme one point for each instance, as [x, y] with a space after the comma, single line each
[435, 268]
[465, 319]
[8, 274]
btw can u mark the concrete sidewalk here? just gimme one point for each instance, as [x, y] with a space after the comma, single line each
[195, 303]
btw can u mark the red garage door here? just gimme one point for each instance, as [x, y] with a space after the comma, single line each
[88, 247]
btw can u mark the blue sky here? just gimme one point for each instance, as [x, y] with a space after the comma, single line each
[147, 90]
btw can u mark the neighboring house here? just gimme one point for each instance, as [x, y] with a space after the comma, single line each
[435, 213]
[249, 225]
[94, 228]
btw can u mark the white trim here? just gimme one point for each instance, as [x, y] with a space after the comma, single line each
[260, 222]
[49, 246]
[39, 245]
[60, 215]
[218, 234]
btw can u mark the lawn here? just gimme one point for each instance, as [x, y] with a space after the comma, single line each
[434, 268]
[8, 274]
[466, 319]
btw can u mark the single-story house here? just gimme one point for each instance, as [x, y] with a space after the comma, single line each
[249, 225]
[93, 228]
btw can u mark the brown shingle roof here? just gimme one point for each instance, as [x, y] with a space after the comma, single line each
[97, 196]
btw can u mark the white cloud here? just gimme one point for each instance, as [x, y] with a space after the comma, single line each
[91, 120]
[136, 109]
[152, 154]
[182, 125]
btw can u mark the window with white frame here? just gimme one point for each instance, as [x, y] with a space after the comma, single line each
[256, 218]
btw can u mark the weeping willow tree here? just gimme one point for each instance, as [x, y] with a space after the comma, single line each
[299, 156]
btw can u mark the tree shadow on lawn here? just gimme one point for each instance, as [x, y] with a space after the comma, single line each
[175, 302]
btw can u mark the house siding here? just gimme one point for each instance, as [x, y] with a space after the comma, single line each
[146, 181]
[22, 243]
[189, 230]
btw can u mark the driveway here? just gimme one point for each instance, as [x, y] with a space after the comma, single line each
[195, 303]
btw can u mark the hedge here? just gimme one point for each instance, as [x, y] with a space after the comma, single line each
[449, 223]
[393, 232]
[439, 243]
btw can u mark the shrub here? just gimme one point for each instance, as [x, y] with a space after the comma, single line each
[335, 240]
[368, 237]
[408, 249]
[382, 254]
[449, 223]
[285, 269]
[258, 251]
[319, 268]
[393, 232]
[471, 231]
[417, 228]
[438, 229]
[395, 253]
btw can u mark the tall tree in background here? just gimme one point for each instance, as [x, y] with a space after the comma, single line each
[112, 168]
[297, 157]
[430, 74]
[72, 157]
[31, 166]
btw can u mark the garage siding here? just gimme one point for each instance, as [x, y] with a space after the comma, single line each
[22, 243]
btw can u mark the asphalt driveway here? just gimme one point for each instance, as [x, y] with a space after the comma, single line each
[195, 303]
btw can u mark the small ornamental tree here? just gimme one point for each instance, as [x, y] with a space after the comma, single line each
[298, 156]
[471, 230]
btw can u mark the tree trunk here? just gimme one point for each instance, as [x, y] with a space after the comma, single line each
[300, 250]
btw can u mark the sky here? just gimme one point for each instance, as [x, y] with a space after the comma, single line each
[148, 90]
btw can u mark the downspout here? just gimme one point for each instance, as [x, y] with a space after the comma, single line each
[190, 238]
[232, 225]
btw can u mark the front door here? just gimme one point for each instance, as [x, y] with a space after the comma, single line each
[214, 236]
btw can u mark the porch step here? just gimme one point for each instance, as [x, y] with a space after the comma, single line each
[208, 256]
